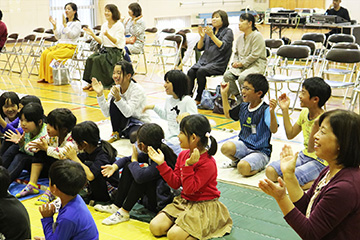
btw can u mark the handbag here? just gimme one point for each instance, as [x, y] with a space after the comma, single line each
[61, 73]
[218, 105]
[208, 98]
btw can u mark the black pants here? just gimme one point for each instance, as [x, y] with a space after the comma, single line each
[129, 192]
[98, 186]
[200, 74]
[119, 122]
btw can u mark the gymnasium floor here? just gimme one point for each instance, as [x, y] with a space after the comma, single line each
[84, 106]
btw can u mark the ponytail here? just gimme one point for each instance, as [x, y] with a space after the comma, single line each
[169, 155]
[109, 150]
[213, 146]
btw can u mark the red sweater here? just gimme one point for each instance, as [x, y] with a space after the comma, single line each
[198, 181]
[3, 33]
[336, 210]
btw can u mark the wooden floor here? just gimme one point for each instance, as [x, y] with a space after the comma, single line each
[84, 106]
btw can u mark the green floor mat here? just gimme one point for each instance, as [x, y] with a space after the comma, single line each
[255, 215]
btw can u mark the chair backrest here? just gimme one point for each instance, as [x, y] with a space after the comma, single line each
[336, 38]
[13, 36]
[343, 55]
[30, 37]
[345, 45]
[39, 30]
[97, 28]
[151, 30]
[268, 52]
[316, 37]
[49, 31]
[274, 43]
[294, 51]
[310, 43]
[168, 30]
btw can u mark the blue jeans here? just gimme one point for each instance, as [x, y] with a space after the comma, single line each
[15, 161]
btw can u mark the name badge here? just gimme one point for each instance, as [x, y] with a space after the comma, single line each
[253, 128]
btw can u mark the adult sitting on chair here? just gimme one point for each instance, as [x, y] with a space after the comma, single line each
[250, 54]
[67, 34]
[101, 65]
[216, 42]
[135, 30]
[336, 9]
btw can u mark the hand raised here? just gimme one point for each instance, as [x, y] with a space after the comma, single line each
[284, 101]
[135, 154]
[201, 32]
[47, 210]
[287, 160]
[270, 188]
[115, 91]
[14, 137]
[97, 86]
[156, 156]
[108, 170]
[272, 104]
[194, 158]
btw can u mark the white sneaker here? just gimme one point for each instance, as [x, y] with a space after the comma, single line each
[106, 208]
[115, 219]
[230, 164]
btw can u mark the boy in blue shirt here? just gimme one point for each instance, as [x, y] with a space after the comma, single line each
[257, 120]
[314, 94]
[74, 221]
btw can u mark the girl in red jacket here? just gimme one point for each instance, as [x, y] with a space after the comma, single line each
[197, 213]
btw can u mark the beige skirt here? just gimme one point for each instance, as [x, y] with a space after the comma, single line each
[203, 219]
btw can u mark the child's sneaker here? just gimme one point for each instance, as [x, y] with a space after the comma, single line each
[106, 208]
[114, 137]
[230, 164]
[45, 198]
[28, 190]
[57, 204]
[115, 219]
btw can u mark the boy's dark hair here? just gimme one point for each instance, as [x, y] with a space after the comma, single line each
[4, 98]
[114, 11]
[250, 18]
[152, 135]
[346, 127]
[30, 99]
[68, 176]
[259, 82]
[4, 181]
[179, 81]
[33, 112]
[224, 17]
[317, 87]
[200, 126]
[88, 131]
[135, 8]
[61, 118]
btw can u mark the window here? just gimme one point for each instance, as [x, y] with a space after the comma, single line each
[86, 11]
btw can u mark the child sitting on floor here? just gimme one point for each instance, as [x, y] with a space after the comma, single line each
[257, 120]
[74, 221]
[314, 94]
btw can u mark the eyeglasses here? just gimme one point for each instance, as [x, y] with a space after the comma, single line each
[246, 88]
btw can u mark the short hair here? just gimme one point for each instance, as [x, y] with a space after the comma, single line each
[4, 181]
[179, 81]
[259, 82]
[224, 17]
[136, 9]
[346, 127]
[250, 18]
[317, 87]
[114, 11]
[1, 15]
[61, 118]
[4, 100]
[29, 99]
[33, 112]
[68, 176]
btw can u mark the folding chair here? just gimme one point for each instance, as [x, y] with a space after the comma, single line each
[319, 39]
[273, 45]
[7, 49]
[158, 40]
[291, 57]
[340, 37]
[340, 56]
[167, 50]
[25, 48]
[311, 44]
